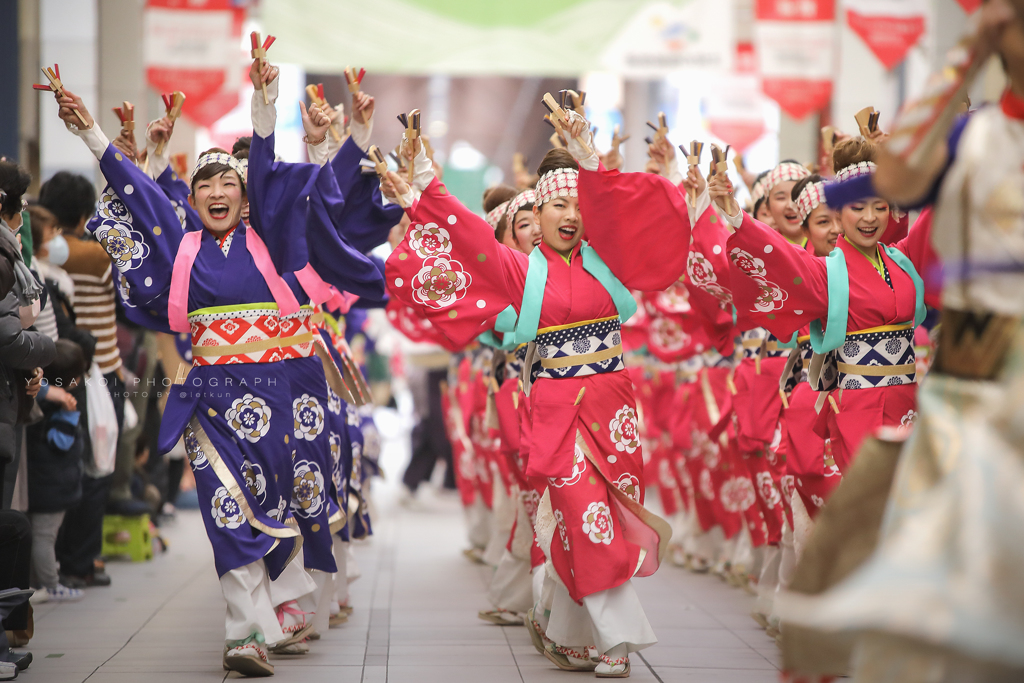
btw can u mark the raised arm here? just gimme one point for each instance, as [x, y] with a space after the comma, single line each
[449, 267]
[135, 222]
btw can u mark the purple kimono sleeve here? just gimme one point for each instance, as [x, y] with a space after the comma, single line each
[366, 221]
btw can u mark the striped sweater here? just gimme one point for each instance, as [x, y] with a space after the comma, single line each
[90, 269]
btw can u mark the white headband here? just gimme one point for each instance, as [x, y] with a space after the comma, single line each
[519, 201]
[495, 214]
[811, 197]
[856, 170]
[757, 191]
[787, 170]
[561, 182]
[219, 158]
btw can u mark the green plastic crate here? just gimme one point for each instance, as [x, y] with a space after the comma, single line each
[140, 546]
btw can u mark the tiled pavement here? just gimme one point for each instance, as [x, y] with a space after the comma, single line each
[414, 621]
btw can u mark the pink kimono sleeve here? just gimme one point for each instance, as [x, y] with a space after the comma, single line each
[450, 268]
[639, 225]
[917, 245]
[776, 284]
[897, 228]
[708, 280]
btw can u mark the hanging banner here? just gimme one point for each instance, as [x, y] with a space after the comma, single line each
[796, 52]
[888, 27]
[734, 111]
[194, 46]
[969, 5]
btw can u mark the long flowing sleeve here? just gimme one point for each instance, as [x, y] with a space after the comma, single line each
[917, 246]
[450, 268]
[335, 260]
[177, 191]
[775, 284]
[140, 230]
[366, 220]
[638, 223]
[277, 194]
[709, 277]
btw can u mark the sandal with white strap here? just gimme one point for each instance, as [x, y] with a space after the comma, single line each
[568, 659]
[612, 668]
[249, 658]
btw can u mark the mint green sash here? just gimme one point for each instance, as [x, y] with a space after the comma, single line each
[839, 299]
[537, 278]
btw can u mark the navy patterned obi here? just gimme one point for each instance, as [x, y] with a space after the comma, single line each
[589, 348]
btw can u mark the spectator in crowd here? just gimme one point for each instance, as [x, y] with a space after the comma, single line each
[15, 564]
[55, 447]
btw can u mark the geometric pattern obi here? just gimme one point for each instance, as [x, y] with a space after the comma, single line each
[877, 358]
[514, 361]
[590, 348]
[753, 339]
[235, 334]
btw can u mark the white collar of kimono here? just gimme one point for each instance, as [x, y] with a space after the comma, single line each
[783, 172]
[238, 165]
[561, 182]
[495, 214]
[856, 170]
[811, 197]
[519, 201]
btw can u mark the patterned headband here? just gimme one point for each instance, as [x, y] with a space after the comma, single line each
[519, 201]
[787, 170]
[757, 191]
[856, 170]
[811, 197]
[218, 158]
[495, 214]
[561, 182]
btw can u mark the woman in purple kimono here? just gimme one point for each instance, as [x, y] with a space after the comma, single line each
[252, 409]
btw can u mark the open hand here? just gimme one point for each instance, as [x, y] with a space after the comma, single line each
[125, 143]
[694, 181]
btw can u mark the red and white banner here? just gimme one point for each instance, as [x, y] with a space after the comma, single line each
[195, 46]
[969, 5]
[796, 51]
[888, 27]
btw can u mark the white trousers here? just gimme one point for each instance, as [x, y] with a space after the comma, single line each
[605, 619]
[250, 609]
[511, 586]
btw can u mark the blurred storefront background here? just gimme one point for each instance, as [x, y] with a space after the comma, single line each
[761, 75]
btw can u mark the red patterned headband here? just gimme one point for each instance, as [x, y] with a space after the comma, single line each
[495, 214]
[561, 182]
[518, 202]
[787, 170]
[811, 197]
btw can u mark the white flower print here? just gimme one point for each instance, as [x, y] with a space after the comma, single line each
[737, 494]
[440, 282]
[226, 512]
[766, 487]
[788, 484]
[630, 485]
[817, 500]
[429, 240]
[908, 420]
[563, 532]
[124, 245]
[748, 263]
[308, 417]
[333, 402]
[278, 513]
[676, 298]
[699, 269]
[597, 523]
[355, 479]
[196, 456]
[255, 480]
[707, 486]
[770, 296]
[668, 333]
[111, 206]
[249, 416]
[334, 439]
[623, 429]
[308, 495]
[579, 466]
[351, 415]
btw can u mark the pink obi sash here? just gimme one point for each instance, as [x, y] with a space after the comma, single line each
[250, 335]
[177, 302]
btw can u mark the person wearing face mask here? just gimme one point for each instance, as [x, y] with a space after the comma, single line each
[584, 429]
[255, 398]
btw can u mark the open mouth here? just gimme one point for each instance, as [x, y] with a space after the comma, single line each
[218, 211]
[567, 232]
[868, 232]
[536, 241]
[791, 217]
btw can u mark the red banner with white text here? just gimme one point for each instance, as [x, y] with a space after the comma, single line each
[888, 27]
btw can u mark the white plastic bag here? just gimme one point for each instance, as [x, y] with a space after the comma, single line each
[103, 428]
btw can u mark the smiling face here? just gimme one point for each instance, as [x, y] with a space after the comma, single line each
[561, 225]
[822, 229]
[864, 222]
[218, 200]
[783, 211]
[525, 233]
